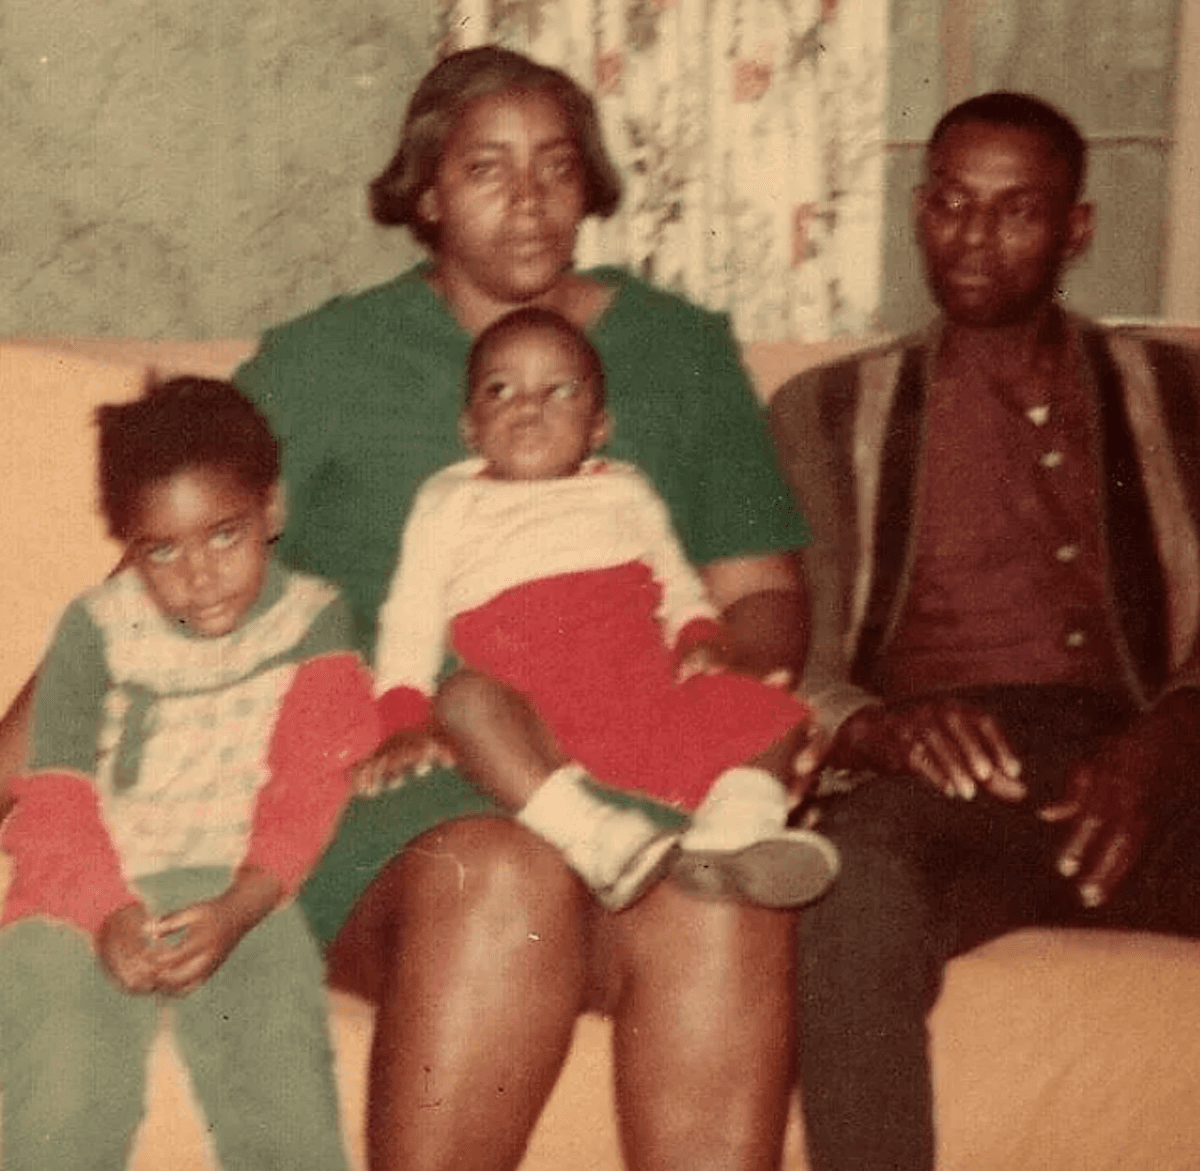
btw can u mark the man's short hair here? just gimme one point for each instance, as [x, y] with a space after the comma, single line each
[1023, 112]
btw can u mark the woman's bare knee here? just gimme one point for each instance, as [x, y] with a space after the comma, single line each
[454, 878]
[704, 1034]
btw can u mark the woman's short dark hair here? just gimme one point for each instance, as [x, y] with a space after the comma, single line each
[1022, 111]
[444, 92]
[179, 425]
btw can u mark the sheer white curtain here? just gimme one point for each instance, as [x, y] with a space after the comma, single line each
[750, 137]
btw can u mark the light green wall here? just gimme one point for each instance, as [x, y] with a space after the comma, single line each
[197, 167]
[1110, 65]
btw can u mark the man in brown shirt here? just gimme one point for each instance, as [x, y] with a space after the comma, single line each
[1005, 589]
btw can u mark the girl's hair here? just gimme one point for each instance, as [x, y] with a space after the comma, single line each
[444, 92]
[179, 425]
[527, 319]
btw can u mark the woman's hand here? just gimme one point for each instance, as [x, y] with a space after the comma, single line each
[411, 750]
[128, 949]
[707, 657]
[208, 932]
[764, 605]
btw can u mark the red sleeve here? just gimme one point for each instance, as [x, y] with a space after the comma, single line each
[404, 707]
[699, 630]
[64, 862]
[327, 725]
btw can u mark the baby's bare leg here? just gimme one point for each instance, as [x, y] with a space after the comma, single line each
[502, 744]
[500, 741]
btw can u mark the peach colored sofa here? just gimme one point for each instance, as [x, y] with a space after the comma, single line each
[1072, 1051]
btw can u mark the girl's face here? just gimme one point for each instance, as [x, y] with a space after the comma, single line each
[508, 200]
[201, 542]
[533, 412]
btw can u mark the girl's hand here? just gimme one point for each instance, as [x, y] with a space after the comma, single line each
[411, 750]
[194, 942]
[128, 949]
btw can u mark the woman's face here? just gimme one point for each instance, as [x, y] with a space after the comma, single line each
[508, 200]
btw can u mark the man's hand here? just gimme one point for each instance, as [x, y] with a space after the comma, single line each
[954, 746]
[128, 949]
[1110, 797]
[411, 750]
[194, 942]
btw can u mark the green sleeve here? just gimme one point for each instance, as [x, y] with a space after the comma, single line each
[69, 701]
[747, 508]
[686, 414]
[332, 630]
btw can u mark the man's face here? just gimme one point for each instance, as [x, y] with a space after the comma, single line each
[996, 221]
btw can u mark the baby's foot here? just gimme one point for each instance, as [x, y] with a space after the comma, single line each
[785, 868]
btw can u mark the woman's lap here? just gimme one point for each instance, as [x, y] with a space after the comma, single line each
[477, 845]
[373, 831]
[461, 934]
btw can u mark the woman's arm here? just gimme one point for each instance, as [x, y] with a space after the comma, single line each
[14, 741]
[764, 602]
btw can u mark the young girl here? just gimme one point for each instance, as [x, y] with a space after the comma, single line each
[560, 576]
[194, 725]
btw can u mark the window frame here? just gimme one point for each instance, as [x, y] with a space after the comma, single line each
[1179, 265]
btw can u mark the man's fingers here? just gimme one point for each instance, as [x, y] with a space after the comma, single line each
[1003, 778]
[970, 746]
[986, 754]
[936, 758]
[1060, 811]
[1000, 750]
[1101, 878]
[1070, 858]
[1069, 806]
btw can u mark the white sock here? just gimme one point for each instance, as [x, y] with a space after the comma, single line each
[744, 805]
[597, 838]
[560, 806]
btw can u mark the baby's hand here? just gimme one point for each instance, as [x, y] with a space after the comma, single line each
[128, 949]
[702, 658]
[415, 750]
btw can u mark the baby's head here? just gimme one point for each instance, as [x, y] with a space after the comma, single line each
[189, 484]
[535, 397]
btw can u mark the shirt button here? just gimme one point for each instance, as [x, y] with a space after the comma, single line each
[1075, 639]
[1066, 553]
[1051, 459]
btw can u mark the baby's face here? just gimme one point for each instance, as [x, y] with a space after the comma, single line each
[534, 410]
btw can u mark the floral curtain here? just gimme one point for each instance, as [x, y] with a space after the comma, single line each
[750, 136]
